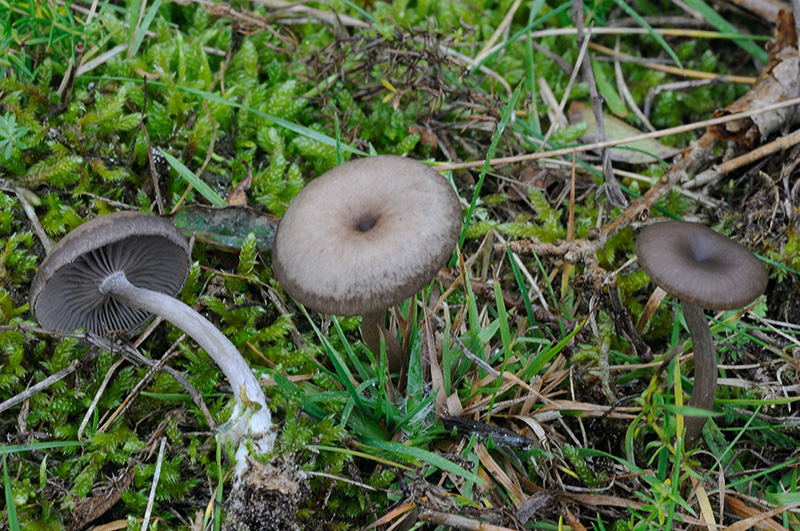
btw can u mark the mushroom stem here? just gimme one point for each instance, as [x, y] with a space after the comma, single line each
[372, 330]
[250, 399]
[705, 369]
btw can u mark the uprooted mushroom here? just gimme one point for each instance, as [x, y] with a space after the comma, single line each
[112, 273]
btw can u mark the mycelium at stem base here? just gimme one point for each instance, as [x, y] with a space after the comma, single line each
[705, 370]
[251, 417]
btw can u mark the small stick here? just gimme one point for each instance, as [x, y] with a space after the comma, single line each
[103, 344]
[612, 189]
[154, 369]
[653, 92]
[718, 170]
[560, 111]
[47, 382]
[97, 395]
[526, 157]
[458, 522]
[156, 475]
[674, 70]
[626, 93]
[34, 219]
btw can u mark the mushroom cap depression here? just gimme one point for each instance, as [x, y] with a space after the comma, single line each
[700, 266]
[366, 235]
[65, 293]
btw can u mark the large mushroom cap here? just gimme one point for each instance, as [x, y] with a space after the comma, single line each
[151, 252]
[700, 266]
[366, 235]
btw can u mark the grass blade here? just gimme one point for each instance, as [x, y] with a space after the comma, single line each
[197, 183]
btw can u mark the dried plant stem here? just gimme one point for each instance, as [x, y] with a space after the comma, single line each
[718, 170]
[156, 476]
[583, 250]
[458, 522]
[674, 70]
[617, 142]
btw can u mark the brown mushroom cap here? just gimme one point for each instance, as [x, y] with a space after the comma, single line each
[151, 252]
[366, 235]
[700, 266]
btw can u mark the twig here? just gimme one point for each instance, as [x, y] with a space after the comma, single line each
[560, 110]
[150, 159]
[108, 346]
[475, 359]
[615, 31]
[653, 92]
[718, 170]
[458, 522]
[88, 66]
[154, 369]
[526, 157]
[47, 382]
[612, 189]
[33, 218]
[674, 70]
[156, 476]
[106, 379]
[626, 93]
[340, 478]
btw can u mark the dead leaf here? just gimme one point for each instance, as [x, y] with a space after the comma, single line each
[777, 83]
[238, 196]
[227, 227]
[641, 152]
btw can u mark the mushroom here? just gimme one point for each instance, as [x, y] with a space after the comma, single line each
[365, 236]
[115, 271]
[703, 269]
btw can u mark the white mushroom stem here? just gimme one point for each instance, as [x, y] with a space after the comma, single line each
[373, 330]
[251, 417]
[705, 369]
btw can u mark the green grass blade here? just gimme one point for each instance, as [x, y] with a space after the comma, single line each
[197, 183]
[141, 31]
[507, 112]
[17, 448]
[719, 22]
[11, 508]
[622, 4]
[420, 455]
[544, 358]
[526, 300]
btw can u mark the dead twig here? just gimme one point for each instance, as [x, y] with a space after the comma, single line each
[718, 170]
[612, 189]
[526, 157]
[584, 249]
[458, 522]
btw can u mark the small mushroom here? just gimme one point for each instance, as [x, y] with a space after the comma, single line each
[112, 273]
[703, 269]
[364, 236]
